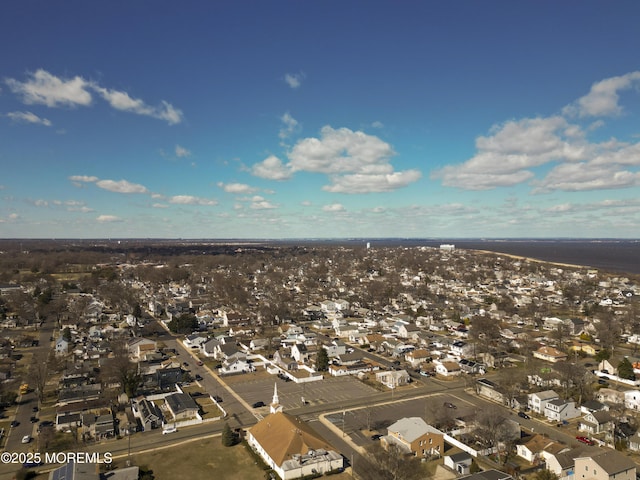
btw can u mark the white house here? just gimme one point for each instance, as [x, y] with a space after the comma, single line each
[559, 410]
[632, 399]
[538, 401]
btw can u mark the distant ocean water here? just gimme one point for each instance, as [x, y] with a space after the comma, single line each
[605, 255]
[610, 255]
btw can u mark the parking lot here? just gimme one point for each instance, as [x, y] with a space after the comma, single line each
[259, 388]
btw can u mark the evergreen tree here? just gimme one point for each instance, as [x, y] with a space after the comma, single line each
[228, 437]
[625, 370]
[322, 362]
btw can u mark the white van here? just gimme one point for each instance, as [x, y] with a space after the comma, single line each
[169, 430]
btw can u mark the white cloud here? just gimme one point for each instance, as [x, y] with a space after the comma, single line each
[361, 183]
[83, 178]
[160, 205]
[191, 200]
[377, 124]
[83, 209]
[294, 80]
[602, 99]
[290, 126]
[612, 165]
[259, 203]
[575, 177]
[334, 207]
[271, 168]
[122, 101]
[108, 218]
[28, 117]
[506, 157]
[121, 186]
[44, 88]
[182, 152]
[356, 162]
[237, 188]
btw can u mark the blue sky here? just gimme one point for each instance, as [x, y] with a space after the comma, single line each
[305, 119]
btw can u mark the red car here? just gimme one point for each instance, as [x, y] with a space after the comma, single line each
[586, 440]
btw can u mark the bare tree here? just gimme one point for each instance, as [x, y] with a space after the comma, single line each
[389, 464]
[121, 370]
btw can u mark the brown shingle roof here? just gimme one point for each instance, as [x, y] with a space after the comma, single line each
[282, 436]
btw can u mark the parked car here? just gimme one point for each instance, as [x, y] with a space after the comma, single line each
[523, 415]
[14, 423]
[585, 440]
[450, 405]
[198, 378]
[33, 419]
[425, 374]
[169, 430]
[26, 439]
[376, 436]
[258, 405]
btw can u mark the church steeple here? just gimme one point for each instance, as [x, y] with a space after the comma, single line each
[275, 403]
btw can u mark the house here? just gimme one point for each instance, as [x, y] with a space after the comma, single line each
[492, 391]
[300, 353]
[633, 443]
[283, 359]
[459, 462]
[62, 346]
[605, 465]
[417, 357]
[533, 447]
[194, 340]
[98, 427]
[414, 435]
[182, 406]
[591, 406]
[632, 399]
[469, 366]
[90, 471]
[562, 462]
[550, 354]
[148, 413]
[139, 347]
[210, 347]
[408, 330]
[586, 348]
[66, 421]
[236, 364]
[393, 378]
[335, 348]
[448, 369]
[461, 349]
[559, 410]
[597, 422]
[610, 396]
[538, 401]
[291, 447]
[352, 369]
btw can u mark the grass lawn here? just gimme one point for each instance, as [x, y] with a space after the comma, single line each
[199, 460]
[203, 460]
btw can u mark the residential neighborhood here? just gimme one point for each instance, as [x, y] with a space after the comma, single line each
[470, 361]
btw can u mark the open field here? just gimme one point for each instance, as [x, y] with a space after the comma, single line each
[202, 460]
